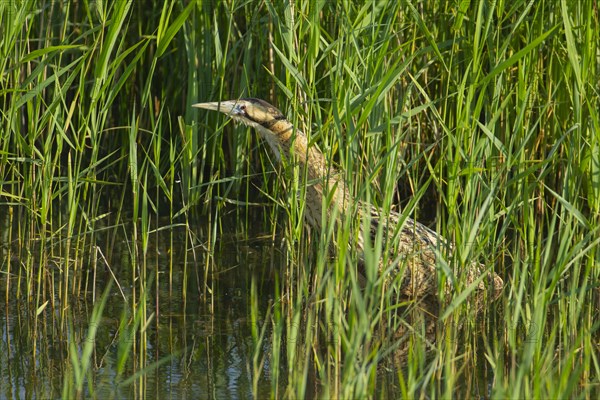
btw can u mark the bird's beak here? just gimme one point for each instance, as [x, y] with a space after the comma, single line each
[226, 107]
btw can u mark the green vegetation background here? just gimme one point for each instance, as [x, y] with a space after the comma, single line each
[479, 117]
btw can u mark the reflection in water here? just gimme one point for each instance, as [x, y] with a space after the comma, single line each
[201, 342]
[216, 320]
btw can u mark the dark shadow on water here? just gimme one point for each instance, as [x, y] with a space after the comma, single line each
[199, 342]
[199, 330]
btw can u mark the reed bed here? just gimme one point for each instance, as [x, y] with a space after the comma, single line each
[479, 119]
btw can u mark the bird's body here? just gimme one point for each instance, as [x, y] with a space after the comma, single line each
[416, 246]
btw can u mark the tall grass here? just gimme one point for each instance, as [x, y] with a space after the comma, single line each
[478, 119]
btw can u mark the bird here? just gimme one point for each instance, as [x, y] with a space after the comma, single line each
[415, 245]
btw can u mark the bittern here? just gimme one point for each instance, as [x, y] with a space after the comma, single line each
[417, 245]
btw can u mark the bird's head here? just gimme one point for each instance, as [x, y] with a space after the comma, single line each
[252, 112]
[270, 123]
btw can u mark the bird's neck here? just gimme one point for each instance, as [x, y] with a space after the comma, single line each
[322, 179]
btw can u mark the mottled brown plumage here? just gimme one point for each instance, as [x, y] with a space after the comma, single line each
[416, 245]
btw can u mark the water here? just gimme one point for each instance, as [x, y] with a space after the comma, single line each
[201, 298]
[197, 346]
